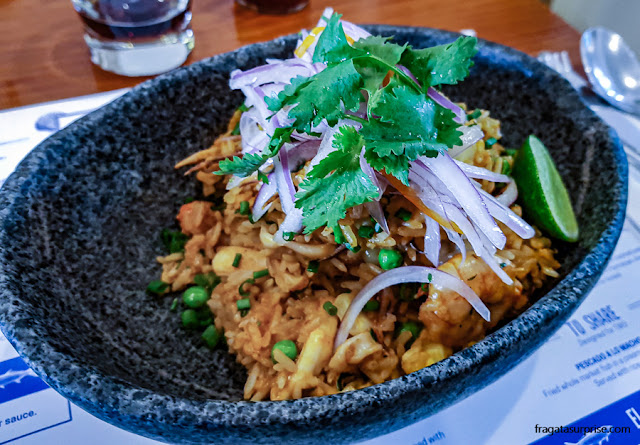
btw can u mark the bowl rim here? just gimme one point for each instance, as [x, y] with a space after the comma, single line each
[578, 281]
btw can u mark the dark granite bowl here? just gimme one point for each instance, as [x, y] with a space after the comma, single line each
[80, 222]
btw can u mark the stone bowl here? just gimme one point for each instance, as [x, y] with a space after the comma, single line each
[80, 219]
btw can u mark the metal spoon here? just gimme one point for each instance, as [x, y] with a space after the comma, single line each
[612, 68]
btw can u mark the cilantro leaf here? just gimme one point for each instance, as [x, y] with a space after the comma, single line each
[397, 166]
[382, 57]
[444, 64]
[332, 46]
[336, 184]
[323, 96]
[250, 163]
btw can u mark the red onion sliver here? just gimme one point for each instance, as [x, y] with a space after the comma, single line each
[438, 98]
[376, 212]
[407, 274]
[506, 216]
[481, 173]
[508, 195]
[286, 190]
[445, 169]
[267, 191]
[432, 241]
[456, 239]
[470, 136]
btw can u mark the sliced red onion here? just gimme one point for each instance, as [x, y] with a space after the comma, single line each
[286, 190]
[302, 152]
[470, 136]
[481, 173]
[432, 241]
[376, 212]
[407, 274]
[506, 216]
[508, 195]
[456, 239]
[267, 191]
[438, 98]
[326, 147]
[445, 169]
[254, 139]
[481, 245]
[281, 71]
[354, 31]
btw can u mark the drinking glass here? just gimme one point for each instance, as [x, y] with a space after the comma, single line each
[137, 37]
[274, 6]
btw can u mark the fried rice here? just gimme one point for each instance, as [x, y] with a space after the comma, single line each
[290, 302]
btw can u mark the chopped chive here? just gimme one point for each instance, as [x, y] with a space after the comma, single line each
[330, 308]
[243, 304]
[260, 273]
[424, 287]
[490, 142]
[241, 290]
[263, 177]
[366, 232]
[236, 130]
[174, 305]
[430, 278]
[506, 168]
[189, 199]
[157, 287]
[211, 336]
[242, 108]
[289, 236]
[236, 260]
[503, 265]
[371, 306]
[244, 208]
[510, 151]
[475, 115]
[313, 266]
[403, 214]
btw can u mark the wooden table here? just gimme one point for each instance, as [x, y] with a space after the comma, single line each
[43, 56]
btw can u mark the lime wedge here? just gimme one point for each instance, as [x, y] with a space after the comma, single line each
[542, 193]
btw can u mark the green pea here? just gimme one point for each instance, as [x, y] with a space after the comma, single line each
[409, 326]
[389, 259]
[190, 319]
[371, 306]
[195, 297]
[286, 346]
[211, 336]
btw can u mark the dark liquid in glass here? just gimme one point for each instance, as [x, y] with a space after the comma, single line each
[274, 6]
[136, 19]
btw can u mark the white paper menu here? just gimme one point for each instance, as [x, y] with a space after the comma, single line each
[586, 375]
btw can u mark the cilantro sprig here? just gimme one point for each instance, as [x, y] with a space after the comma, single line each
[402, 123]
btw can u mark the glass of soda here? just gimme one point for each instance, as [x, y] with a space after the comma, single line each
[137, 37]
